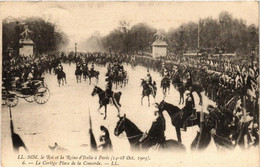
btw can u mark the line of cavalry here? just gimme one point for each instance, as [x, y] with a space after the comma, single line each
[228, 127]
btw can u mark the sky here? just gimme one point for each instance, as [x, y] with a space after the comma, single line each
[81, 19]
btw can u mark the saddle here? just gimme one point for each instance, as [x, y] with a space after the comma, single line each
[191, 117]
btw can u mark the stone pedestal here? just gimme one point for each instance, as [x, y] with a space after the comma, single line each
[26, 47]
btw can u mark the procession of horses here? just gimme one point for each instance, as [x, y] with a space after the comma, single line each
[231, 122]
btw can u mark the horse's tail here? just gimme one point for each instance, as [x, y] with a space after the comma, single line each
[117, 98]
[173, 145]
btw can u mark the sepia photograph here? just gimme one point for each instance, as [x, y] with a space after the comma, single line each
[133, 83]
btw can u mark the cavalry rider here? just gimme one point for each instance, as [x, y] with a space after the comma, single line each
[92, 68]
[85, 67]
[120, 66]
[156, 132]
[166, 73]
[162, 69]
[60, 67]
[189, 81]
[109, 92]
[188, 109]
[148, 78]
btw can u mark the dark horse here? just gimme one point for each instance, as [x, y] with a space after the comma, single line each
[104, 100]
[135, 135]
[165, 84]
[181, 87]
[61, 76]
[93, 74]
[78, 73]
[178, 118]
[147, 91]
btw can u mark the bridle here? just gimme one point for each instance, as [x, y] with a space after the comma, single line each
[96, 91]
[126, 137]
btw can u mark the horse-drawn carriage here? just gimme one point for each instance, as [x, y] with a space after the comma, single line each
[36, 90]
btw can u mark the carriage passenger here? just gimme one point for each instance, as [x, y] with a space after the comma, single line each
[28, 79]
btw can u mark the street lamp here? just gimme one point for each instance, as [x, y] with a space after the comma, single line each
[75, 49]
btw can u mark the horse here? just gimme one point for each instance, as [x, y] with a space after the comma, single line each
[135, 135]
[78, 73]
[120, 78]
[148, 90]
[181, 87]
[104, 100]
[165, 83]
[178, 118]
[93, 74]
[85, 72]
[61, 77]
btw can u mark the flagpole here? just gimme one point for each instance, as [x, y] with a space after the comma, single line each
[199, 34]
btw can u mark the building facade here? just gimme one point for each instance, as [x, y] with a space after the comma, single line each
[26, 48]
[159, 48]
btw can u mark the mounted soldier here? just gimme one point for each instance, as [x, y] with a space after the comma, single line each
[148, 80]
[109, 92]
[189, 109]
[92, 69]
[60, 67]
[156, 132]
[189, 81]
[166, 73]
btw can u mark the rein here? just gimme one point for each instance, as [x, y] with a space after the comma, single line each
[131, 137]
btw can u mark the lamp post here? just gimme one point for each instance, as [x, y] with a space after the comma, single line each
[75, 49]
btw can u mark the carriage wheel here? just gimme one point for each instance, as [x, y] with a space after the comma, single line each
[45, 85]
[4, 101]
[29, 99]
[42, 95]
[12, 101]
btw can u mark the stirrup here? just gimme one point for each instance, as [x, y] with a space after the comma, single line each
[144, 136]
[184, 127]
[193, 117]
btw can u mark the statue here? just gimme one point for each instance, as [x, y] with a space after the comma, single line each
[26, 32]
[159, 36]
